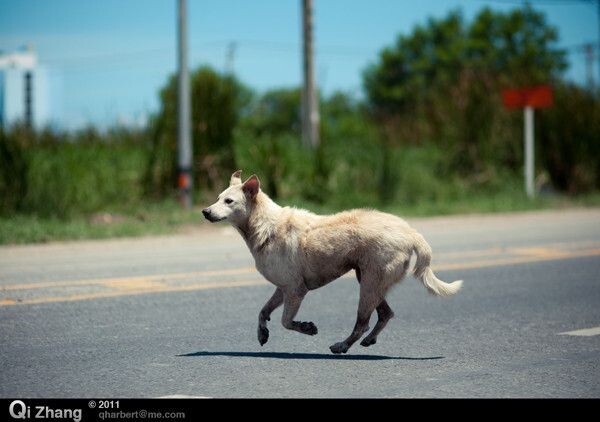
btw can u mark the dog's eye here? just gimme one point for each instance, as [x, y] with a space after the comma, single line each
[228, 201]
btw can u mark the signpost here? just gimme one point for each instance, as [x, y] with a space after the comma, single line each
[528, 98]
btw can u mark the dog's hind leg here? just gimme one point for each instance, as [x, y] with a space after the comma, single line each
[273, 303]
[369, 300]
[292, 299]
[384, 314]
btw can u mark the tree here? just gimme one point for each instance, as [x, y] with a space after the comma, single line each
[270, 126]
[276, 112]
[568, 138]
[442, 82]
[217, 103]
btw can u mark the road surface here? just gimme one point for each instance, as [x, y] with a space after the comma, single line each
[176, 316]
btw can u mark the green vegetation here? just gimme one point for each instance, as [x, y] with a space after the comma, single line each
[52, 174]
[147, 219]
[167, 217]
[430, 137]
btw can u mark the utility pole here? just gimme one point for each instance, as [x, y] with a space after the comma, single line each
[184, 134]
[29, 99]
[230, 57]
[310, 107]
[589, 61]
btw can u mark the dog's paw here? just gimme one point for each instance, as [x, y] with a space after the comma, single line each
[368, 342]
[263, 335]
[338, 348]
[308, 328]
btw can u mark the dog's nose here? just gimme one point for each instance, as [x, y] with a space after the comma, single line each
[206, 212]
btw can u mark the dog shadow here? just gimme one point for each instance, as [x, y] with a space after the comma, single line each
[307, 356]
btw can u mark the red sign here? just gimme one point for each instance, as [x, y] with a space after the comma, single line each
[533, 96]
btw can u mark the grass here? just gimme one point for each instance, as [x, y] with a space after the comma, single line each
[148, 219]
[167, 217]
[472, 204]
[502, 202]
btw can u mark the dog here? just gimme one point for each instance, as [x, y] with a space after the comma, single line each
[299, 251]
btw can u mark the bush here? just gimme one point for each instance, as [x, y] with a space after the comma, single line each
[569, 139]
[75, 178]
[281, 163]
[52, 174]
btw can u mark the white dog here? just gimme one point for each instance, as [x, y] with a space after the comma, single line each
[299, 251]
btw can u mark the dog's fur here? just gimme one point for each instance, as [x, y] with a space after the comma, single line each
[299, 251]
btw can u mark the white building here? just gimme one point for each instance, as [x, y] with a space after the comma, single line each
[24, 90]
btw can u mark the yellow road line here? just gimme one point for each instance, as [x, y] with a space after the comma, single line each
[165, 289]
[113, 281]
[515, 260]
[148, 285]
[466, 254]
[546, 250]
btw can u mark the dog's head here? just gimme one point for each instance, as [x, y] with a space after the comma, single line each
[235, 202]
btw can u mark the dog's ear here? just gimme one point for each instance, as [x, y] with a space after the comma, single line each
[251, 187]
[236, 178]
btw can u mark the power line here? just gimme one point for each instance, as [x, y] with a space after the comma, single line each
[273, 46]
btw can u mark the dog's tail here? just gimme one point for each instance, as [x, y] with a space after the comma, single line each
[424, 273]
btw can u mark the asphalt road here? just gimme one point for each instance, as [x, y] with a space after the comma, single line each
[176, 316]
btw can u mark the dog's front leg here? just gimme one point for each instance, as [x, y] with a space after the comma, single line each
[292, 298]
[273, 303]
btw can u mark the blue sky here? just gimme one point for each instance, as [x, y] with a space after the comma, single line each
[108, 58]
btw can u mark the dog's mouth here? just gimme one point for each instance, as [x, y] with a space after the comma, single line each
[214, 219]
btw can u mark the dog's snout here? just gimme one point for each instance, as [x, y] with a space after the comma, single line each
[213, 218]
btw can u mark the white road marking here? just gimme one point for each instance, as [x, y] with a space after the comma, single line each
[183, 396]
[586, 332]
